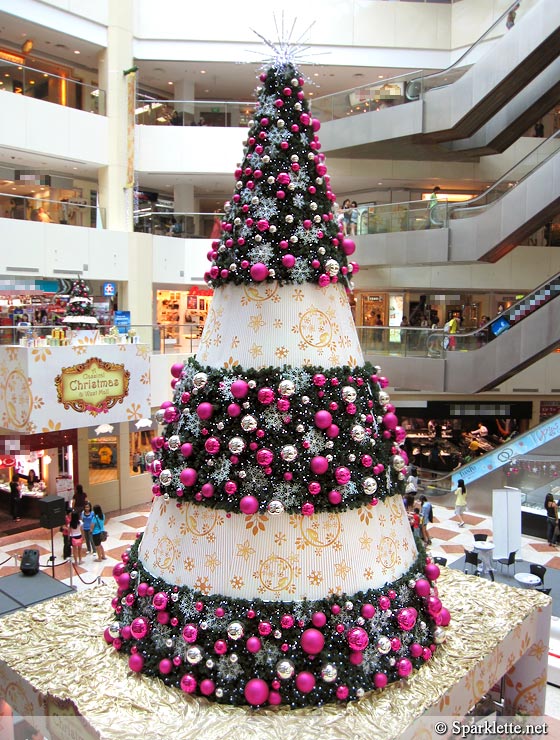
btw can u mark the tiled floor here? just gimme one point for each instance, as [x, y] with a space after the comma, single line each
[448, 540]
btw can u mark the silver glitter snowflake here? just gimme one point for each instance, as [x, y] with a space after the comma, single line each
[267, 208]
[254, 160]
[188, 373]
[262, 252]
[127, 615]
[299, 377]
[221, 470]
[245, 231]
[316, 441]
[310, 236]
[301, 180]
[288, 493]
[159, 636]
[404, 593]
[278, 135]
[379, 621]
[190, 422]
[370, 662]
[224, 388]
[304, 139]
[272, 418]
[186, 606]
[269, 654]
[349, 490]
[299, 200]
[254, 479]
[227, 670]
[145, 607]
[301, 271]
[267, 107]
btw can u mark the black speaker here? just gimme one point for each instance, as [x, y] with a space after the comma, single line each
[29, 562]
[52, 511]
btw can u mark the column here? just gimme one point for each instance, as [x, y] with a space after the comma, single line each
[183, 93]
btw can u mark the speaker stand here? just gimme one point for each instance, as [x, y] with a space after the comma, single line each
[53, 556]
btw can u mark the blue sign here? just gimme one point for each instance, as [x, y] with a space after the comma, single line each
[109, 289]
[121, 320]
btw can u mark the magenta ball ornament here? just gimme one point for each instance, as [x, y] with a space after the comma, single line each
[118, 570]
[348, 247]
[249, 505]
[367, 611]
[256, 691]
[380, 680]
[422, 587]
[259, 272]
[335, 497]
[332, 431]
[315, 124]
[434, 605]
[390, 421]
[404, 667]
[357, 638]
[342, 693]
[312, 641]
[432, 571]
[108, 637]
[123, 581]
[445, 616]
[139, 628]
[305, 682]
[253, 644]
[406, 618]
[234, 409]
[274, 698]
[319, 619]
[323, 419]
[319, 464]
[204, 410]
[177, 369]
[207, 687]
[356, 658]
[288, 260]
[186, 449]
[239, 388]
[188, 476]
[415, 650]
[136, 662]
[188, 683]
[142, 589]
[165, 666]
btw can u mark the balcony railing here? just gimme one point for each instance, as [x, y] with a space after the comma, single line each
[185, 225]
[73, 212]
[222, 113]
[35, 82]
[411, 215]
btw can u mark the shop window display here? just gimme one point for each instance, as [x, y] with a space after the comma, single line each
[103, 459]
[140, 445]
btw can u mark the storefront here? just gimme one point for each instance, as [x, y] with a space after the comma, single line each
[181, 315]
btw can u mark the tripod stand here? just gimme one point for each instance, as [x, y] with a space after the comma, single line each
[52, 558]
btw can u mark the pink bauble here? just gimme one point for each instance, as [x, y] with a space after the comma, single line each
[118, 570]
[190, 633]
[406, 618]
[253, 644]
[136, 662]
[342, 475]
[123, 581]
[165, 666]
[108, 636]
[207, 490]
[288, 260]
[186, 449]
[342, 693]
[160, 601]
[249, 505]
[177, 369]
[323, 419]
[415, 650]
[390, 421]
[139, 628]
[239, 388]
[212, 445]
[357, 638]
[188, 476]
[335, 497]
[305, 119]
[356, 658]
[274, 698]
[207, 687]
[220, 647]
[188, 683]
[234, 409]
[324, 280]
[319, 464]
[333, 431]
[319, 619]
[445, 616]
[348, 247]
[368, 611]
[400, 434]
[307, 509]
[384, 603]
[315, 124]
[204, 410]
[404, 667]
[312, 641]
[305, 682]
[256, 691]
[142, 589]
[259, 272]
[434, 605]
[422, 587]
[265, 396]
[380, 680]
[432, 571]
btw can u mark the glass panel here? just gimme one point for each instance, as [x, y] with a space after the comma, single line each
[140, 444]
[103, 458]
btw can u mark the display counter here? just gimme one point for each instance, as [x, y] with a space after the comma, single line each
[495, 630]
[29, 503]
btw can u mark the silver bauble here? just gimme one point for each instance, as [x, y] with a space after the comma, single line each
[369, 485]
[305, 400]
[159, 416]
[275, 507]
[285, 668]
[316, 219]
[169, 642]
[294, 82]
[115, 629]
[258, 238]
[313, 206]
[233, 658]
[235, 630]
[329, 673]
[255, 200]
[439, 635]
[270, 180]
[292, 186]
[248, 423]
[357, 432]
[174, 442]
[398, 462]
[384, 398]
[280, 123]
[294, 158]
[288, 453]
[300, 429]
[384, 645]
[286, 388]
[236, 445]
[321, 250]
[349, 393]
[277, 634]
[194, 654]
[289, 219]
[149, 457]
[237, 221]
[209, 663]
[266, 160]
[360, 693]
[219, 693]
[351, 457]
[199, 380]
[165, 477]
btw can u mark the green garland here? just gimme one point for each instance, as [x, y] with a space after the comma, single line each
[301, 440]
[229, 642]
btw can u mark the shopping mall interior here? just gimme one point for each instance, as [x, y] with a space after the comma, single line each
[124, 132]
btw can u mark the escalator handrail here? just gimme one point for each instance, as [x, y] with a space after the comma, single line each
[502, 18]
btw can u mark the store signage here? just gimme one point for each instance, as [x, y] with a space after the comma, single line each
[109, 289]
[94, 386]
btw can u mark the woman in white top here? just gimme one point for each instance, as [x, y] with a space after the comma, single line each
[76, 535]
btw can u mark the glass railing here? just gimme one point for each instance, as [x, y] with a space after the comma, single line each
[185, 225]
[42, 85]
[226, 114]
[72, 211]
[413, 215]
[388, 93]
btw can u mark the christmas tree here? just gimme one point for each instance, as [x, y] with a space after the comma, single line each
[278, 565]
[79, 309]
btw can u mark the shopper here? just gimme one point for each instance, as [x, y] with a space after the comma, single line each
[79, 500]
[432, 206]
[15, 499]
[98, 529]
[354, 216]
[87, 524]
[31, 479]
[460, 501]
[65, 530]
[510, 20]
[426, 517]
[412, 481]
[551, 508]
[76, 536]
[347, 216]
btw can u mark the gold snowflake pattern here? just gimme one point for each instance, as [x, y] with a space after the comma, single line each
[38, 402]
[256, 523]
[297, 295]
[256, 350]
[335, 590]
[405, 545]
[133, 412]
[237, 582]
[234, 342]
[280, 538]
[245, 550]
[142, 351]
[275, 298]
[79, 349]
[256, 323]
[365, 541]
[202, 585]
[341, 570]
[217, 340]
[212, 562]
[145, 378]
[368, 573]
[189, 564]
[281, 353]
[41, 354]
[211, 537]
[337, 546]
[171, 522]
[31, 428]
[52, 426]
[537, 650]
[231, 363]
[315, 578]
[345, 341]
[12, 353]
[382, 521]
[277, 323]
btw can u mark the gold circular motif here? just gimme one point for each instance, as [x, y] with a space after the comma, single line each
[19, 400]
[396, 506]
[325, 534]
[276, 574]
[165, 554]
[387, 552]
[200, 520]
[315, 328]
[260, 293]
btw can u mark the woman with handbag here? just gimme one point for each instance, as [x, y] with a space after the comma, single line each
[551, 509]
[76, 536]
[98, 531]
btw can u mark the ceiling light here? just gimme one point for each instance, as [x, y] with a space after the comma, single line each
[77, 51]
[169, 83]
[202, 71]
[380, 77]
[316, 74]
[27, 46]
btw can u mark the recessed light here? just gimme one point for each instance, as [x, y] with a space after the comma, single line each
[202, 71]
[169, 83]
[74, 168]
[380, 183]
[380, 77]
[31, 82]
[316, 74]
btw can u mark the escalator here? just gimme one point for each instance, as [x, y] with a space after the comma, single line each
[468, 363]
[478, 91]
[483, 229]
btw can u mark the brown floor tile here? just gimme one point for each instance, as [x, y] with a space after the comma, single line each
[453, 548]
[542, 547]
[482, 531]
[8, 570]
[472, 519]
[128, 536]
[438, 533]
[135, 521]
[554, 563]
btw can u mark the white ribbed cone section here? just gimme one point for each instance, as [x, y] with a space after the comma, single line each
[255, 326]
[283, 557]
